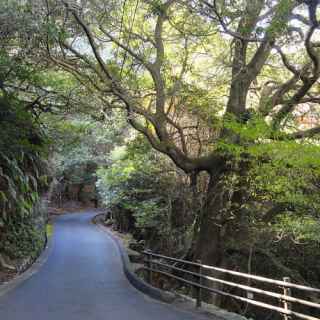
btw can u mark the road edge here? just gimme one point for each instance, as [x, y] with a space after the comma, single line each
[32, 270]
[177, 301]
[135, 281]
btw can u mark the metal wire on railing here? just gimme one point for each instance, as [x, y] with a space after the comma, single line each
[286, 298]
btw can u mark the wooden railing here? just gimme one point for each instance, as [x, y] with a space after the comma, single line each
[156, 263]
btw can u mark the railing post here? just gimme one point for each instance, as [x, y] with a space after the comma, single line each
[149, 266]
[286, 304]
[198, 290]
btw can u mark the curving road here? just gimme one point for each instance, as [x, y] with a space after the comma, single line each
[83, 280]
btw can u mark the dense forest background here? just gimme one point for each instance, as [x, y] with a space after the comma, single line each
[194, 123]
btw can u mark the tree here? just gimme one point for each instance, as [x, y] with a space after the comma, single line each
[157, 60]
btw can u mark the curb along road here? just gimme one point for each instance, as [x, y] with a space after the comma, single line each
[132, 277]
[185, 303]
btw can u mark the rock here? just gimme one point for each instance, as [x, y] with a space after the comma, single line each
[108, 222]
[135, 257]
[107, 215]
[136, 246]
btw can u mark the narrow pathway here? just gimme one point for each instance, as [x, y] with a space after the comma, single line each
[83, 280]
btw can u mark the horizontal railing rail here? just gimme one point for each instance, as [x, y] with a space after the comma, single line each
[153, 265]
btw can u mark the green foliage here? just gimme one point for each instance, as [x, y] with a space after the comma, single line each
[142, 183]
[280, 21]
[22, 179]
[291, 183]
[49, 230]
[130, 178]
[22, 239]
[300, 228]
[79, 140]
[156, 7]
[19, 130]
[278, 172]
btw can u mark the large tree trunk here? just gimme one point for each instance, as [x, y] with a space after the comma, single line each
[215, 226]
[209, 248]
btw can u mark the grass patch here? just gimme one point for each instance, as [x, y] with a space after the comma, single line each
[49, 230]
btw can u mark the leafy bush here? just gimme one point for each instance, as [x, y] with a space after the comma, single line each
[141, 184]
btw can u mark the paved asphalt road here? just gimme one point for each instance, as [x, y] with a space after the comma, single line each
[83, 280]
